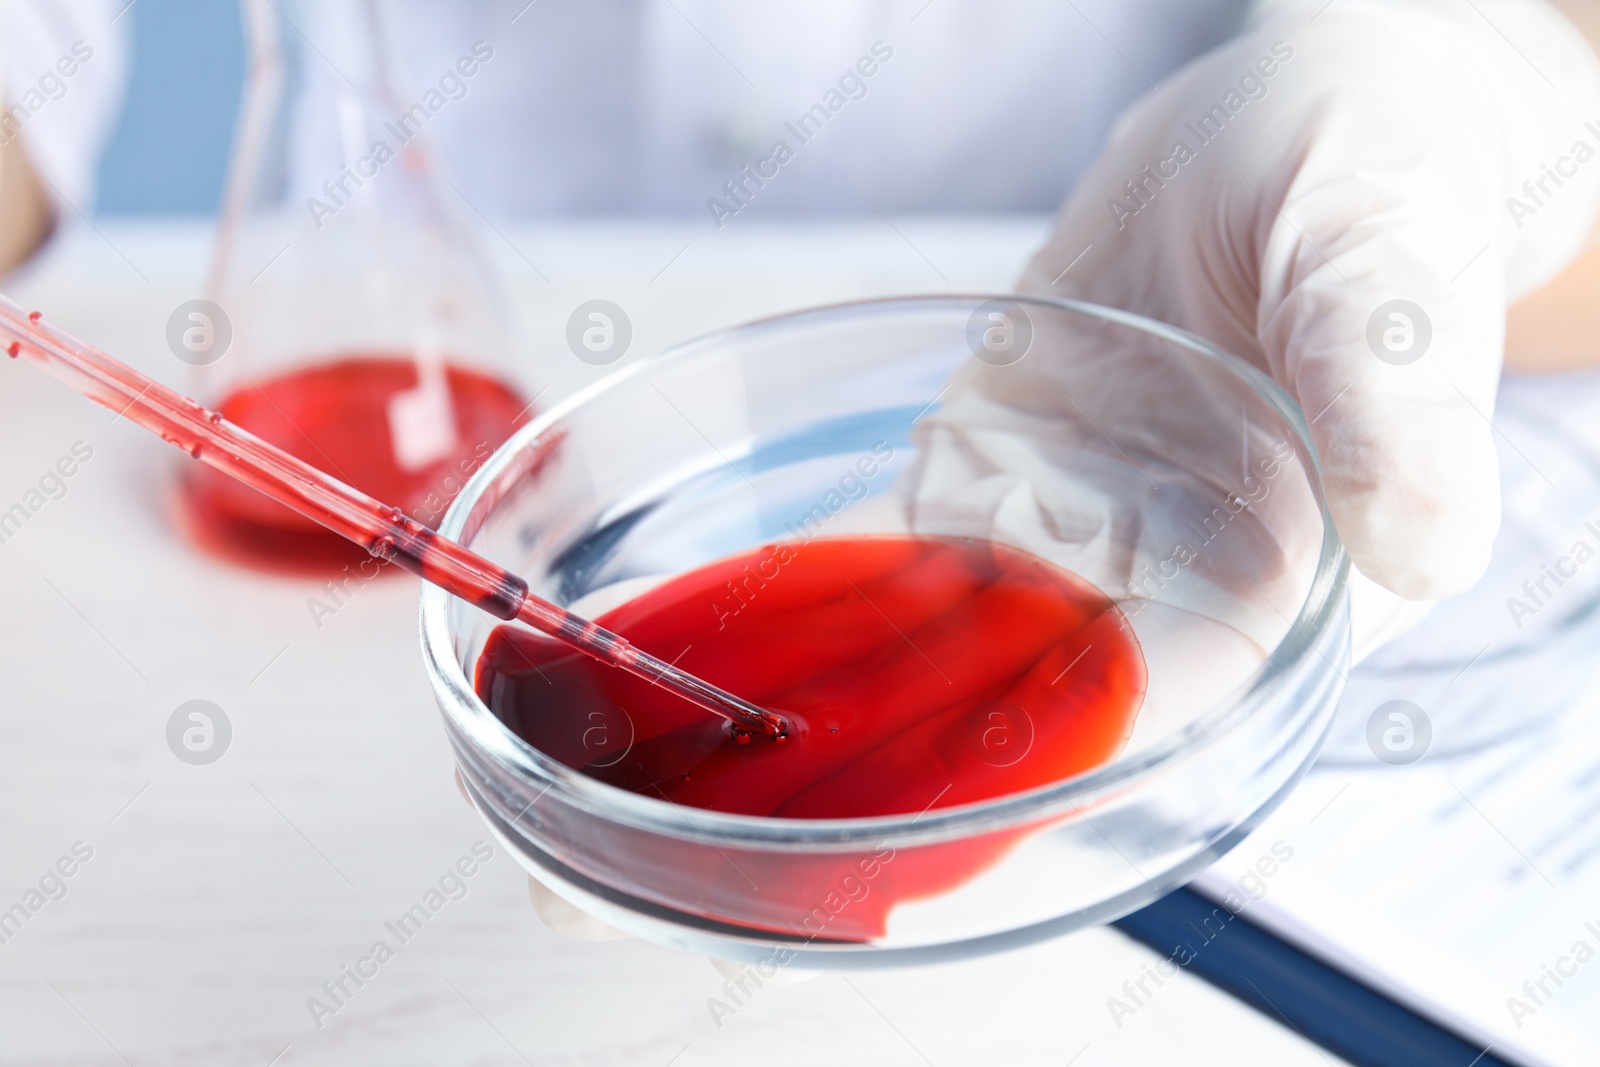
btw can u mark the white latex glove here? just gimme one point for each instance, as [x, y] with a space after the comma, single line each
[1369, 153]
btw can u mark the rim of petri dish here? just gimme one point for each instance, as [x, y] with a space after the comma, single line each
[485, 730]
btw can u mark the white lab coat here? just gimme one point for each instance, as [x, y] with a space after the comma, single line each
[622, 106]
[652, 105]
[64, 64]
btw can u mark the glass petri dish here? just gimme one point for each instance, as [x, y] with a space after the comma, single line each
[1176, 478]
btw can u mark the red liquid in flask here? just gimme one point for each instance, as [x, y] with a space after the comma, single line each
[918, 674]
[335, 416]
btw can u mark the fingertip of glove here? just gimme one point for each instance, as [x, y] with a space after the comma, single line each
[568, 919]
[1417, 549]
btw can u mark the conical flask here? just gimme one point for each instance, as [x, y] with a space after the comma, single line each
[351, 317]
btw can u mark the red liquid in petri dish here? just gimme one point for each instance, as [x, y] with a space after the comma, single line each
[335, 416]
[918, 674]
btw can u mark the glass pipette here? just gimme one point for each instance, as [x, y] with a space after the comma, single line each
[386, 532]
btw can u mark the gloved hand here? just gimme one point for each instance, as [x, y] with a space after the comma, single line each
[1279, 194]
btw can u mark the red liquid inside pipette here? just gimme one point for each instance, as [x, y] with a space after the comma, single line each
[917, 673]
[384, 530]
[335, 416]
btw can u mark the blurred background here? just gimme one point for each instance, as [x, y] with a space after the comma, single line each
[169, 152]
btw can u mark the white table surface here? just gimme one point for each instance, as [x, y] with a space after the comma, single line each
[219, 898]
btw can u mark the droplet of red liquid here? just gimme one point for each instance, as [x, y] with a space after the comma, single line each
[335, 416]
[13, 349]
[938, 672]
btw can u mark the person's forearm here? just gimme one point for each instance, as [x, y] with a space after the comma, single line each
[25, 216]
[1557, 326]
[1584, 14]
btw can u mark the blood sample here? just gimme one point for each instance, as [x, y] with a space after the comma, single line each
[915, 674]
[335, 415]
[350, 315]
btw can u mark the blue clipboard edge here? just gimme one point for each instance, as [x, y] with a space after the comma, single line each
[1320, 1003]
